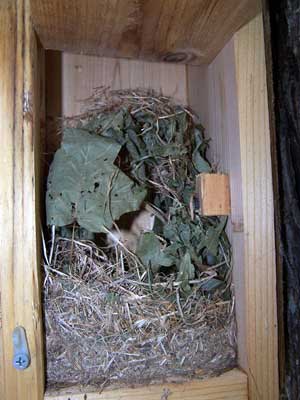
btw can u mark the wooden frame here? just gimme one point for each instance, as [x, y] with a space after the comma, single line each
[163, 30]
[252, 226]
[261, 305]
[19, 193]
[230, 386]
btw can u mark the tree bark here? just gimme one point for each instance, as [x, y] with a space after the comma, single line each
[285, 47]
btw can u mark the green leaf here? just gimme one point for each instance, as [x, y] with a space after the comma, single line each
[170, 131]
[85, 187]
[188, 191]
[211, 284]
[150, 253]
[212, 241]
[186, 273]
[170, 231]
[184, 231]
[79, 233]
[172, 250]
[213, 235]
[168, 150]
[181, 120]
[104, 123]
[199, 162]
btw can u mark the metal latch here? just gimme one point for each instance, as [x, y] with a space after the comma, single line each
[21, 358]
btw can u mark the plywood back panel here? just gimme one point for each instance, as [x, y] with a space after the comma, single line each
[71, 78]
[189, 31]
[81, 74]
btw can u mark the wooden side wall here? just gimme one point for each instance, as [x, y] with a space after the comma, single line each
[19, 226]
[258, 206]
[212, 94]
[231, 97]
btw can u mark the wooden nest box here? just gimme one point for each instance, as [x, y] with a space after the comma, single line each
[206, 54]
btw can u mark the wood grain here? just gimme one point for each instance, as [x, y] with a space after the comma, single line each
[214, 195]
[212, 94]
[236, 117]
[189, 31]
[81, 74]
[229, 386]
[260, 265]
[71, 78]
[19, 281]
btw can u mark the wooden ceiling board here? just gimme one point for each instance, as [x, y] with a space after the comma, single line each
[187, 31]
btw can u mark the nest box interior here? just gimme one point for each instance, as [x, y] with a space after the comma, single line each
[208, 55]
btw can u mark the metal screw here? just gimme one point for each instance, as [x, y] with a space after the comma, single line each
[21, 359]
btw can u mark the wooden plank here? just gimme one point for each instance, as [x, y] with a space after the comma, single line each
[260, 265]
[81, 74]
[71, 78]
[241, 146]
[189, 31]
[19, 281]
[269, 19]
[212, 94]
[231, 386]
[213, 193]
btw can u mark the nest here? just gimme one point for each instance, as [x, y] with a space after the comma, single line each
[111, 321]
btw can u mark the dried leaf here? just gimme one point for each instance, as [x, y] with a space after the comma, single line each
[85, 187]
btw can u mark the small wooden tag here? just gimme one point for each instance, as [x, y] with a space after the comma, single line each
[213, 193]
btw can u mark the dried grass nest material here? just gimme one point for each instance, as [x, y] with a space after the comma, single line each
[111, 321]
[106, 326]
